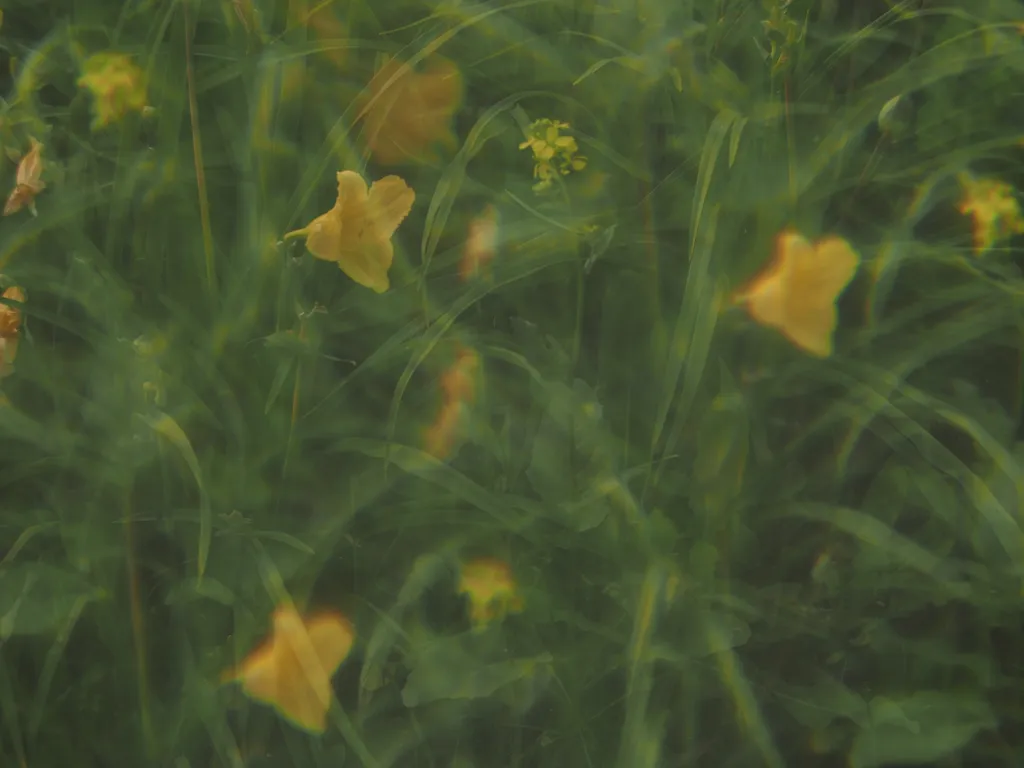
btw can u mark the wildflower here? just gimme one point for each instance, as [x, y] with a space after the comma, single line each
[117, 86]
[292, 671]
[798, 291]
[459, 387]
[10, 326]
[440, 437]
[27, 182]
[491, 590]
[553, 154]
[356, 233]
[407, 112]
[996, 212]
[459, 381]
[481, 244]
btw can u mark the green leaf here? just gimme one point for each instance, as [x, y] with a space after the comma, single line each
[567, 457]
[451, 180]
[922, 728]
[899, 549]
[283, 369]
[724, 439]
[426, 571]
[192, 589]
[694, 641]
[446, 670]
[167, 427]
[818, 705]
[37, 598]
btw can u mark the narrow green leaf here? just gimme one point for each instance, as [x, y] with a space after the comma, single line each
[167, 427]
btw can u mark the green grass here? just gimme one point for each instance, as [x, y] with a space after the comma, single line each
[730, 552]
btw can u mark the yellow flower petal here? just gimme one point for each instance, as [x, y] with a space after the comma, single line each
[292, 671]
[797, 293]
[356, 233]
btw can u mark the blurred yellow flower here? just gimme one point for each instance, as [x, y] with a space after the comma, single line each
[491, 589]
[117, 86]
[459, 385]
[356, 233]
[460, 381]
[406, 113]
[329, 30]
[442, 436]
[995, 210]
[292, 670]
[553, 154]
[796, 294]
[481, 244]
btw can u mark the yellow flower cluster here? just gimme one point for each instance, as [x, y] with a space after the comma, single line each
[117, 86]
[995, 210]
[491, 589]
[553, 154]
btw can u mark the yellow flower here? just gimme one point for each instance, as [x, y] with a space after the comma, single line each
[292, 671]
[117, 86]
[356, 233]
[553, 154]
[797, 293]
[491, 589]
[406, 113]
[481, 244]
[996, 213]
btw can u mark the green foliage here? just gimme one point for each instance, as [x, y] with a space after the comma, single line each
[729, 552]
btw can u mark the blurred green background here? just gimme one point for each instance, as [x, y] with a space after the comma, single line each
[719, 549]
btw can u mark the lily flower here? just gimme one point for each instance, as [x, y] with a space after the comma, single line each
[292, 671]
[356, 233]
[796, 294]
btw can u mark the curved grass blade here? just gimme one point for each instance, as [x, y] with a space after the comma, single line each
[748, 712]
[639, 674]
[197, 155]
[691, 334]
[167, 427]
[442, 324]
[877, 534]
[53, 658]
[450, 183]
[423, 465]
[691, 342]
[1006, 527]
